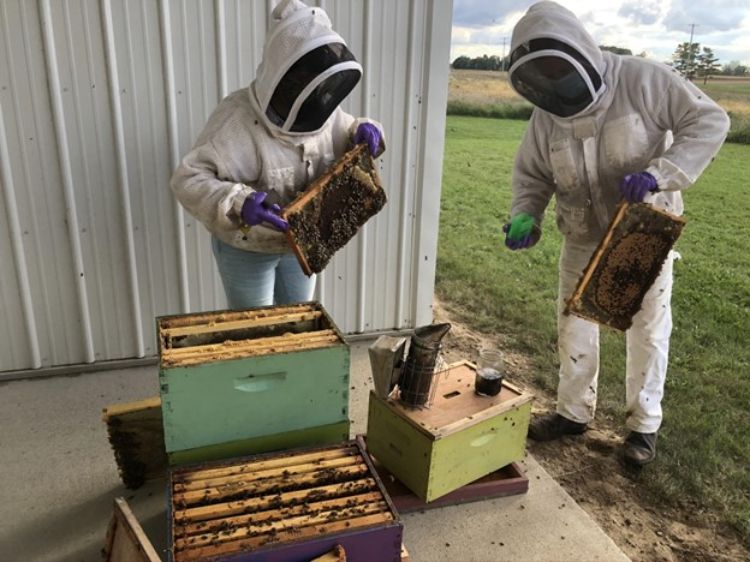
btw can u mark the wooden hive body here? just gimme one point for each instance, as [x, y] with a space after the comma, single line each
[625, 265]
[264, 379]
[284, 507]
[459, 439]
[333, 208]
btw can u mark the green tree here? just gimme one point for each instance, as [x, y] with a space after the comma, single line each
[616, 50]
[734, 68]
[479, 63]
[707, 64]
[462, 62]
[684, 57]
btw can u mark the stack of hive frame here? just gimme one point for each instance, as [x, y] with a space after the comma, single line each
[136, 433]
[625, 265]
[246, 382]
[296, 505]
[333, 208]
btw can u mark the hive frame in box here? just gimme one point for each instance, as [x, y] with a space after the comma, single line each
[170, 327]
[634, 229]
[315, 190]
[373, 541]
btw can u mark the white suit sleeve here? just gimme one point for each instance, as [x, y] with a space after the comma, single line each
[532, 183]
[196, 184]
[699, 127]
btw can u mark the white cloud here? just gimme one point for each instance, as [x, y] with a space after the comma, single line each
[717, 15]
[645, 12]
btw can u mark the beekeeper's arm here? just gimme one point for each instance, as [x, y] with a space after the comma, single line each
[698, 124]
[198, 185]
[217, 203]
[533, 186]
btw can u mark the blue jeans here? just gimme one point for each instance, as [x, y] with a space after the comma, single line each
[256, 279]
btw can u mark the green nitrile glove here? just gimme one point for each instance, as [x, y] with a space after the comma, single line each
[521, 225]
[519, 233]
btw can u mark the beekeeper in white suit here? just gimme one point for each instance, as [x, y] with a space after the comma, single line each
[604, 127]
[263, 145]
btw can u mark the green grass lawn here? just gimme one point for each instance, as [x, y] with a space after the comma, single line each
[704, 444]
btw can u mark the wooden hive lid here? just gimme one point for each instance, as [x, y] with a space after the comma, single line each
[456, 406]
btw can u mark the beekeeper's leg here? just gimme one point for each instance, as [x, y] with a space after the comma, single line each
[248, 277]
[648, 354]
[578, 342]
[292, 285]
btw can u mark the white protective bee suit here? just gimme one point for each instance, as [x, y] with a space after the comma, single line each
[636, 115]
[242, 149]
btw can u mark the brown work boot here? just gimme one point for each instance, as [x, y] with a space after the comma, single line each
[554, 426]
[639, 448]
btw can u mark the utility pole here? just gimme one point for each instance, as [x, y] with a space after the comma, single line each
[502, 61]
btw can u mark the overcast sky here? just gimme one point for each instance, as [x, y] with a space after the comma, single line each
[653, 26]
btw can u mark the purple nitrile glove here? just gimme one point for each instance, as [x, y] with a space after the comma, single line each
[370, 134]
[255, 211]
[635, 187]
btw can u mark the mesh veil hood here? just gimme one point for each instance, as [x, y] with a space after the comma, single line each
[296, 29]
[550, 20]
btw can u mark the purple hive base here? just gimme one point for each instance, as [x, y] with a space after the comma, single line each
[382, 544]
[507, 481]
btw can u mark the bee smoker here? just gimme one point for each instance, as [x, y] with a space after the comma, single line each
[415, 374]
[418, 372]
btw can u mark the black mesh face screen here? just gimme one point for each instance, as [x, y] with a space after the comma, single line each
[331, 92]
[553, 44]
[552, 84]
[324, 100]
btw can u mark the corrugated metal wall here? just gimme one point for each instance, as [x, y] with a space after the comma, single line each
[98, 101]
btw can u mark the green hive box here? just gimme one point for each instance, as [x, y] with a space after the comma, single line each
[459, 439]
[247, 382]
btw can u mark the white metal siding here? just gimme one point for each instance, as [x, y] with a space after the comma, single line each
[99, 99]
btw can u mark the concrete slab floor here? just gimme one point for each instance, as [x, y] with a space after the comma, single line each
[59, 478]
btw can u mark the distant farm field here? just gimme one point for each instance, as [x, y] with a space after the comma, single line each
[486, 93]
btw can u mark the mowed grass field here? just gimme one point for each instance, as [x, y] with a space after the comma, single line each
[704, 449]
[487, 93]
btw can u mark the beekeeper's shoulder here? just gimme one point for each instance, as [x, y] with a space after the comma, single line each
[233, 115]
[647, 73]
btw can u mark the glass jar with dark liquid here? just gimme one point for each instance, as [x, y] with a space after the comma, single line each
[490, 373]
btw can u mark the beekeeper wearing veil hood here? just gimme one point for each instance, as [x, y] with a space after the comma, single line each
[604, 127]
[265, 144]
